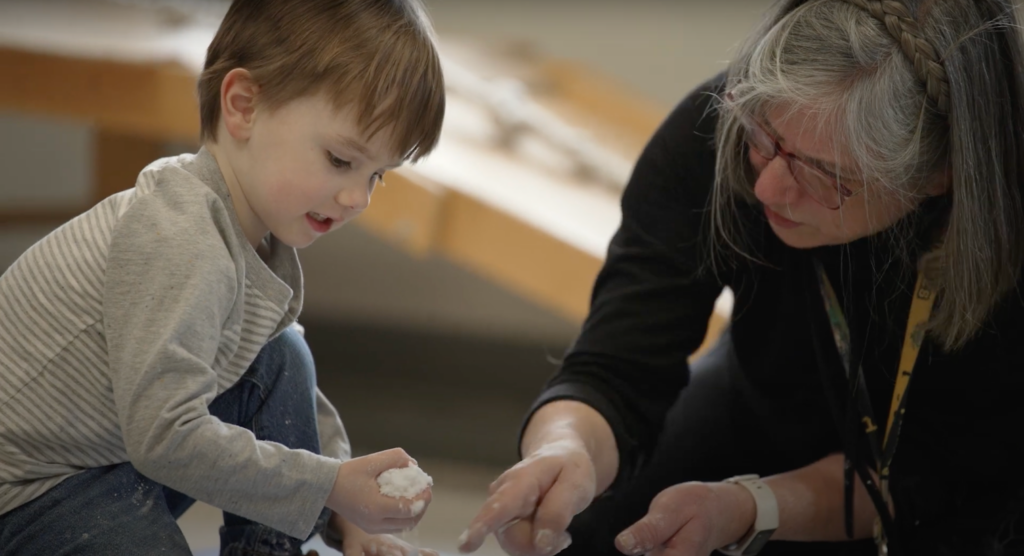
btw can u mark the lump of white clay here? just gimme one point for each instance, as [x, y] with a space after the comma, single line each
[417, 507]
[405, 482]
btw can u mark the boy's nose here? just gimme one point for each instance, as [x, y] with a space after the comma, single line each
[354, 198]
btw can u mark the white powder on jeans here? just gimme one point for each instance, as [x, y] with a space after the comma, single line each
[406, 482]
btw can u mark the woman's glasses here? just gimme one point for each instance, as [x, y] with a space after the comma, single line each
[822, 187]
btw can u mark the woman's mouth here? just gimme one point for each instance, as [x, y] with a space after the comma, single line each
[780, 221]
[321, 224]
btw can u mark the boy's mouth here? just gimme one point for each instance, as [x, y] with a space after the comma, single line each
[319, 223]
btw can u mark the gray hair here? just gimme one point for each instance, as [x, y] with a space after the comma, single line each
[954, 107]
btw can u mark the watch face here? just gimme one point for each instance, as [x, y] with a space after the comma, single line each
[757, 542]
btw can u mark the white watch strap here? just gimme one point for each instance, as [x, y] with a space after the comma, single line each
[766, 522]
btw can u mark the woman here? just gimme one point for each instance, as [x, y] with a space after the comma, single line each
[855, 179]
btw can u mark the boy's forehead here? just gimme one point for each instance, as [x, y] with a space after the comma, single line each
[377, 148]
[354, 143]
[341, 125]
[381, 131]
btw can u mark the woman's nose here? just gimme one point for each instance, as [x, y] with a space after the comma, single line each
[775, 185]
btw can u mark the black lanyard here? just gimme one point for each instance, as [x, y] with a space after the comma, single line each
[884, 449]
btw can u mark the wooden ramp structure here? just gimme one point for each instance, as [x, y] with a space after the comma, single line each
[523, 188]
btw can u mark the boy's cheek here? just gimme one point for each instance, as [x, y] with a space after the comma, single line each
[340, 223]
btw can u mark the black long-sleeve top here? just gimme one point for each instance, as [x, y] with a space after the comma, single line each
[958, 474]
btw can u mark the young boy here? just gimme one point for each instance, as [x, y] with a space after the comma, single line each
[147, 353]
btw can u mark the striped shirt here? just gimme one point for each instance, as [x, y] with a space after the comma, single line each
[118, 329]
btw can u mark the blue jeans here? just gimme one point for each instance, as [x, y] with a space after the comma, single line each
[114, 510]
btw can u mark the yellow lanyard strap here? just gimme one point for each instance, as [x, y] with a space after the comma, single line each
[920, 312]
[917, 321]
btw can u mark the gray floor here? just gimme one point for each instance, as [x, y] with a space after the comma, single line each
[459, 491]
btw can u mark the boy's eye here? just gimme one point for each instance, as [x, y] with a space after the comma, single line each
[338, 162]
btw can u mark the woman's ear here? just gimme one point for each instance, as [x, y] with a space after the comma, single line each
[238, 103]
[940, 183]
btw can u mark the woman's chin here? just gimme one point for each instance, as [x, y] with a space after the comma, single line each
[803, 237]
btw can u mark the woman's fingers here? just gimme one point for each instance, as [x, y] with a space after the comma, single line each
[646, 535]
[688, 541]
[680, 523]
[560, 478]
[516, 538]
[543, 534]
[510, 502]
[563, 501]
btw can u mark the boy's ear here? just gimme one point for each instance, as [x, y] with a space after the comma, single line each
[238, 103]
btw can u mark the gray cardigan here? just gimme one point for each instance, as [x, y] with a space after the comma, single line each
[118, 329]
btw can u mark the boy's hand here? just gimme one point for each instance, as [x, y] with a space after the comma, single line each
[353, 541]
[356, 495]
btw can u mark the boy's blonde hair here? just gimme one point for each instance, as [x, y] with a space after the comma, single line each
[377, 56]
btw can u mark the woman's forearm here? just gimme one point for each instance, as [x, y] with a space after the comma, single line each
[811, 506]
[572, 421]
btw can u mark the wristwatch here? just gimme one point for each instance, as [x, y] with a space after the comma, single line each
[766, 522]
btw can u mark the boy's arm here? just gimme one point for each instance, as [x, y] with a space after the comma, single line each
[169, 287]
[334, 441]
[333, 438]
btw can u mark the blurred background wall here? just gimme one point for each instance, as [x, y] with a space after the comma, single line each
[420, 352]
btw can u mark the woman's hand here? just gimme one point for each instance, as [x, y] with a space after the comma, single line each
[356, 495]
[691, 519]
[353, 541]
[530, 505]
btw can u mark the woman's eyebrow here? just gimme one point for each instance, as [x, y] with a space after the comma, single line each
[830, 168]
